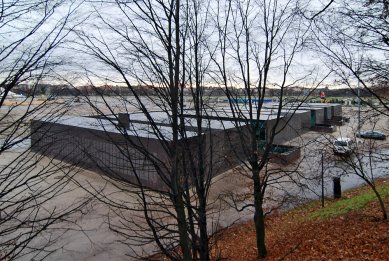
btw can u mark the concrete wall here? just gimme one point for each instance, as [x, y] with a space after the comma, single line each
[337, 110]
[286, 129]
[305, 119]
[222, 150]
[126, 158]
[320, 116]
[228, 147]
[107, 153]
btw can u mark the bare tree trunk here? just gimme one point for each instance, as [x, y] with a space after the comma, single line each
[182, 228]
[259, 218]
[253, 35]
[177, 177]
[165, 65]
[381, 202]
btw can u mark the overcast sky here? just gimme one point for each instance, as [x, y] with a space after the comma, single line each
[85, 18]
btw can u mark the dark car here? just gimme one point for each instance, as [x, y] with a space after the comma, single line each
[377, 135]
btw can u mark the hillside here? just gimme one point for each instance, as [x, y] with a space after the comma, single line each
[347, 229]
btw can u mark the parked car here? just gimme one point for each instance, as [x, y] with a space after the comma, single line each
[372, 134]
[343, 146]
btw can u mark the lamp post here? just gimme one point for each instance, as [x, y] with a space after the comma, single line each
[322, 179]
[359, 107]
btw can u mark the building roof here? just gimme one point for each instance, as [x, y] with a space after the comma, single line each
[136, 129]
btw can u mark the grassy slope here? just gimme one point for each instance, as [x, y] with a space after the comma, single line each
[346, 205]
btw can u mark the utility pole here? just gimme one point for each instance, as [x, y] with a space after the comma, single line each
[322, 179]
[359, 108]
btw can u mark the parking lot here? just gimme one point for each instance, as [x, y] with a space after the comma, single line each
[87, 234]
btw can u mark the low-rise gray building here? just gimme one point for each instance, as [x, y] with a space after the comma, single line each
[128, 147]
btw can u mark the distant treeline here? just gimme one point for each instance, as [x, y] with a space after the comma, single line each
[65, 90]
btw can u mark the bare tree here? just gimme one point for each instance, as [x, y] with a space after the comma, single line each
[157, 50]
[353, 40]
[261, 39]
[29, 32]
[368, 163]
[368, 159]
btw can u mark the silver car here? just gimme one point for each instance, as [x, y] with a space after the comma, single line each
[343, 146]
